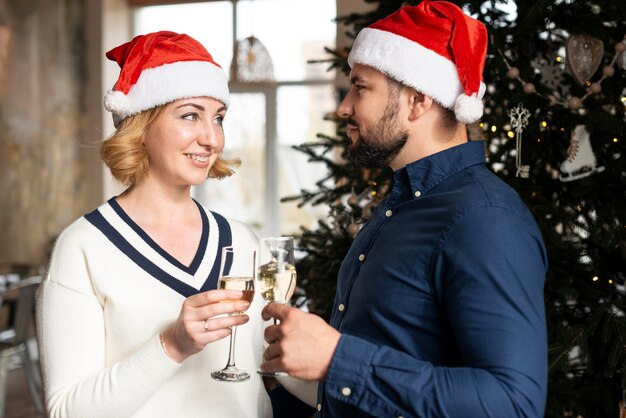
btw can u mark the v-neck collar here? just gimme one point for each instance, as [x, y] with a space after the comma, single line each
[193, 267]
[132, 241]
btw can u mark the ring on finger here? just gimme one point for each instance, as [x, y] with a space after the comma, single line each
[206, 325]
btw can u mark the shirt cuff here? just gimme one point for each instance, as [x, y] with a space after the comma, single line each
[350, 370]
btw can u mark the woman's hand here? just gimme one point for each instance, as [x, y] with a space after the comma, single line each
[202, 321]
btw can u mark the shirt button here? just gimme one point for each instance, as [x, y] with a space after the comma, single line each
[362, 257]
[341, 307]
[346, 391]
[389, 213]
[319, 406]
[418, 193]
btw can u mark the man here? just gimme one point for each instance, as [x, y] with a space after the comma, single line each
[439, 307]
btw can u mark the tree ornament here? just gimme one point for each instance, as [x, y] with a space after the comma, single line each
[553, 100]
[366, 213]
[353, 229]
[608, 71]
[581, 161]
[551, 72]
[581, 56]
[251, 62]
[353, 200]
[529, 88]
[519, 120]
[584, 55]
[574, 103]
[595, 88]
[620, 47]
[512, 73]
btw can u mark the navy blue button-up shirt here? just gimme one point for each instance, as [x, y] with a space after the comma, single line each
[440, 300]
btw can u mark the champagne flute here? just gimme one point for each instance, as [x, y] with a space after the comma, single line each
[277, 274]
[237, 268]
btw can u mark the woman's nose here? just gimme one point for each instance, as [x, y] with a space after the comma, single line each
[210, 135]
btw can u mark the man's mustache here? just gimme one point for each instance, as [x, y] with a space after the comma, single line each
[350, 121]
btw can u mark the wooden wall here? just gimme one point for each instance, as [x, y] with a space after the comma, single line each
[46, 160]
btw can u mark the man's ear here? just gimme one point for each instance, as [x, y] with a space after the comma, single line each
[419, 104]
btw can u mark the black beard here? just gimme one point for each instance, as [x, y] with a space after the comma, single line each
[385, 142]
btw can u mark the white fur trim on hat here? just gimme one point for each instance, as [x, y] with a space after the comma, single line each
[116, 102]
[167, 83]
[415, 66]
[468, 109]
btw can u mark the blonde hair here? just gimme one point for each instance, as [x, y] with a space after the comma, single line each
[126, 156]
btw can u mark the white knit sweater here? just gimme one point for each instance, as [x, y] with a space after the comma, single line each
[99, 314]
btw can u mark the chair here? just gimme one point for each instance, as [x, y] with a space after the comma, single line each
[14, 342]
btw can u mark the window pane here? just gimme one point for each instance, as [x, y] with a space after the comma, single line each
[293, 31]
[301, 111]
[241, 196]
[210, 23]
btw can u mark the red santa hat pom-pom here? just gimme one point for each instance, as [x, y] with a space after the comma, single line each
[117, 102]
[468, 109]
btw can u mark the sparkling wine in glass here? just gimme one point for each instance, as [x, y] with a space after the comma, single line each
[276, 275]
[237, 272]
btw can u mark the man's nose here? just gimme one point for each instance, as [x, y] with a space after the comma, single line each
[345, 109]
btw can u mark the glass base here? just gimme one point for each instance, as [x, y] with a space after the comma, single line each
[271, 374]
[230, 374]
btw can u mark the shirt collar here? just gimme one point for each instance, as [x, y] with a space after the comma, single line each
[428, 172]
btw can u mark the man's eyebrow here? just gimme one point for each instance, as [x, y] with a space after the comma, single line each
[355, 79]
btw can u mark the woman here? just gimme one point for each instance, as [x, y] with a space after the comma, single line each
[129, 321]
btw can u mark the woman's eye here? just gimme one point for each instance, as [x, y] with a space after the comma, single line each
[190, 116]
[219, 120]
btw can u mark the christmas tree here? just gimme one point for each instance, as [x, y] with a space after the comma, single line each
[554, 130]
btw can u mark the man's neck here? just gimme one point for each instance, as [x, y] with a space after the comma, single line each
[425, 142]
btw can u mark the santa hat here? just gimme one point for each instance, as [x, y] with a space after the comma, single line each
[433, 47]
[159, 68]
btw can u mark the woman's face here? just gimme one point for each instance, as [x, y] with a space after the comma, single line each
[184, 141]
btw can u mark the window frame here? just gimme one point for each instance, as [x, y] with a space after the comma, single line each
[271, 221]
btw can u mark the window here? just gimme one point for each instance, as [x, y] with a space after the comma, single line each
[264, 119]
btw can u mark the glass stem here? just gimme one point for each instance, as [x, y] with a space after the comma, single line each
[231, 350]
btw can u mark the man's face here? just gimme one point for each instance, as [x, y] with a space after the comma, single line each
[371, 112]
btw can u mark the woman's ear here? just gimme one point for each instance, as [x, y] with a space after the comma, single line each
[419, 104]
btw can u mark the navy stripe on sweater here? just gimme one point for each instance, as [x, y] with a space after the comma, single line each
[225, 239]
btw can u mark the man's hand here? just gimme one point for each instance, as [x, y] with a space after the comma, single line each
[302, 344]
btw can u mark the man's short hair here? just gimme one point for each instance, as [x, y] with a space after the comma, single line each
[449, 121]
